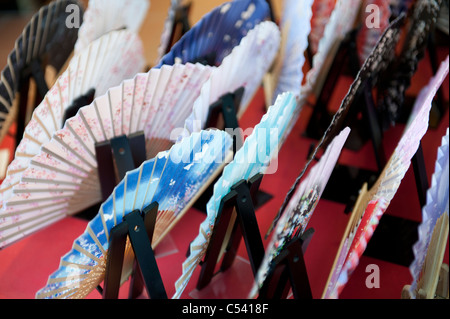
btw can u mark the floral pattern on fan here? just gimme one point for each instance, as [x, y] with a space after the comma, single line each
[387, 184]
[437, 205]
[297, 214]
[378, 60]
[172, 179]
[217, 33]
[244, 67]
[103, 16]
[106, 62]
[252, 158]
[62, 178]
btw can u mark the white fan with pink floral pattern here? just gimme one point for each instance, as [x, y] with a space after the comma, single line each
[62, 178]
[106, 62]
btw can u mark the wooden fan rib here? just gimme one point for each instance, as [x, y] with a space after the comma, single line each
[62, 159]
[86, 253]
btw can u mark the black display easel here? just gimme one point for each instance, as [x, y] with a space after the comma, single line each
[240, 198]
[123, 153]
[344, 62]
[139, 228]
[180, 23]
[290, 266]
[291, 262]
[33, 70]
[227, 106]
[222, 114]
[78, 103]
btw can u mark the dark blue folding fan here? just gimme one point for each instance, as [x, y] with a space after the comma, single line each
[217, 33]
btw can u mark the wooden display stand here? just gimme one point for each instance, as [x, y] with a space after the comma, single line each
[180, 25]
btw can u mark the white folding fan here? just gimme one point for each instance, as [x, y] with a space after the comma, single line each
[172, 179]
[435, 212]
[103, 16]
[254, 157]
[244, 67]
[371, 204]
[297, 214]
[46, 40]
[62, 178]
[104, 63]
[287, 73]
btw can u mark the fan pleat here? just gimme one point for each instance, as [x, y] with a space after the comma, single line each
[85, 263]
[84, 72]
[385, 188]
[253, 157]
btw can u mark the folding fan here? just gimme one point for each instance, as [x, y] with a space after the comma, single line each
[106, 62]
[321, 12]
[378, 60]
[252, 158]
[103, 16]
[215, 35]
[168, 25]
[62, 178]
[372, 203]
[288, 74]
[244, 67]
[172, 179]
[341, 22]
[44, 39]
[437, 206]
[297, 214]
[368, 35]
[397, 80]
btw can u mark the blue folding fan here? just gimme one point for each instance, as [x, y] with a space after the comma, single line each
[215, 35]
[254, 157]
[172, 179]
